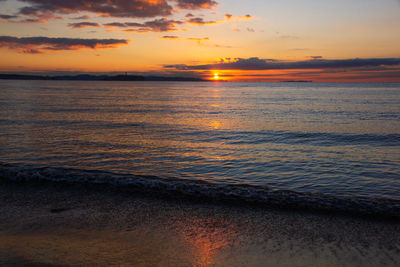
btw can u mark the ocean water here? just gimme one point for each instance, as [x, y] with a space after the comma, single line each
[302, 142]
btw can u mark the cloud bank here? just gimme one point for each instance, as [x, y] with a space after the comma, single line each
[37, 45]
[110, 8]
[42, 10]
[256, 63]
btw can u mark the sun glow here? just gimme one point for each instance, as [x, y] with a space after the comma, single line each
[216, 76]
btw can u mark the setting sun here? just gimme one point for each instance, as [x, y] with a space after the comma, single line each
[216, 76]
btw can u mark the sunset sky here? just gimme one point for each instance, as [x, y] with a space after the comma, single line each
[255, 40]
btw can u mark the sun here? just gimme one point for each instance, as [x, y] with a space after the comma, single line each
[216, 76]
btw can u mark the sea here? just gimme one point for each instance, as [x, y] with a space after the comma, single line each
[333, 146]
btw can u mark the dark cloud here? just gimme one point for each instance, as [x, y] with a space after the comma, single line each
[315, 57]
[116, 24]
[42, 10]
[81, 25]
[170, 37]
[196, 4]
[110, 8]
[267, 64]
[232, 17]
[200, 21]
[158, 25]
[35, 45]
[228, 16]
[82, 17]
[37, 16]
[7, 17]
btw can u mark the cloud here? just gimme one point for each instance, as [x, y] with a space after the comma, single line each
[109, 8]
[196, 4]
[7, 17]
[315, 57]
[35, 45]
[82, 17]
[232, 17]
[200, 21]
[198, 40]
[236, 19]
[256, 63]
[170, 37]
[227, 17]
[42, 10]
[81, 25]
[158, 25]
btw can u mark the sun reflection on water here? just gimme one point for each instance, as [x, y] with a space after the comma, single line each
[215, 124]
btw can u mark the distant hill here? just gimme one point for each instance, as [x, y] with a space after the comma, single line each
[89, 77]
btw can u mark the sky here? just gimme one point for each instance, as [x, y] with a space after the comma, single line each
[233, 40]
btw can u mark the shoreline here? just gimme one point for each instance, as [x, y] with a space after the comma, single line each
[205, 192]
[55, 224]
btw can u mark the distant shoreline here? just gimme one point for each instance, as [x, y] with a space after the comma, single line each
[89, 77]
[122, 77]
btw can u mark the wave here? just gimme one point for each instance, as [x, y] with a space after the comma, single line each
[238, 137]
[174, 187]
[292, 137]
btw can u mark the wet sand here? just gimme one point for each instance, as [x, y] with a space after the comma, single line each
[58, 225]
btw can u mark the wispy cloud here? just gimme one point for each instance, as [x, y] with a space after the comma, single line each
[198, 40]
[237, 18]
[81, 25]
[82, 17]
[158, 25]
[36, 45]
[166, 25]
[170, 37]
[201, 21]
[7, 17]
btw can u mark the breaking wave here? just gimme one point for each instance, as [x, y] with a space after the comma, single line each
[174, 187]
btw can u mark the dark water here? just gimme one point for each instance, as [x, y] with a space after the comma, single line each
[331, 140]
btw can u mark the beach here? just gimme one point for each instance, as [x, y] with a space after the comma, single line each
[53, 224]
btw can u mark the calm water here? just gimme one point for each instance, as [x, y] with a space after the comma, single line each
[334, 139]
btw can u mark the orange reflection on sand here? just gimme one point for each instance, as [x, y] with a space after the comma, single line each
[207, 239]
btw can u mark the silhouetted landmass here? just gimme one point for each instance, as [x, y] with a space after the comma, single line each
[88, 77]
[296, 81]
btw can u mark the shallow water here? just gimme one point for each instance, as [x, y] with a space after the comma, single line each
[340, 140]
